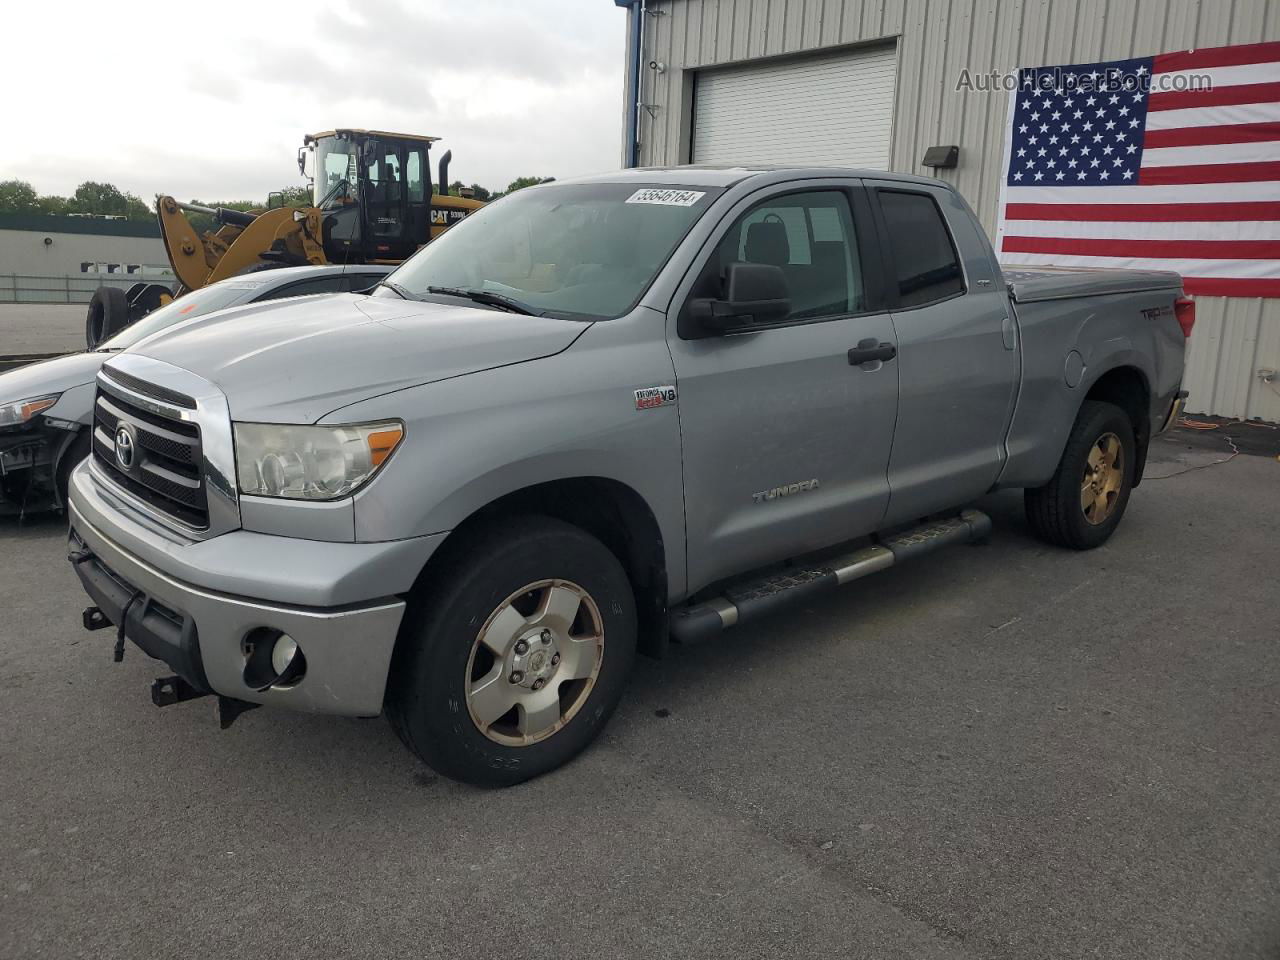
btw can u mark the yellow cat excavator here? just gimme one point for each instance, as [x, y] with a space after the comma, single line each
[371, 203]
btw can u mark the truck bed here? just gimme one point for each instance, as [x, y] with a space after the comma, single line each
[1032, 284]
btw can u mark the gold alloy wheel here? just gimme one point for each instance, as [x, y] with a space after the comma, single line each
[1103, 478]
[534, 662]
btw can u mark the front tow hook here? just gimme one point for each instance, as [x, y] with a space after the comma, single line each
[166, 691]
[94, 619]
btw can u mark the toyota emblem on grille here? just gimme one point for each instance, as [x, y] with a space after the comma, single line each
[124, 448]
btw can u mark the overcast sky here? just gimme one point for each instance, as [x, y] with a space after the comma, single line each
[211, 100]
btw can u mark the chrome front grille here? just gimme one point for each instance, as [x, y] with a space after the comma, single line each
[182, 468]
[165, 465]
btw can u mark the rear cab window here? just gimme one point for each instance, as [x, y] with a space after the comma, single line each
[926, 265]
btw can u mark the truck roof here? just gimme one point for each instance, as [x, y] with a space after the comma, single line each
[726, 175]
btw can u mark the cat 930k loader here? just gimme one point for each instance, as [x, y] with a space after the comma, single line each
[371, 203]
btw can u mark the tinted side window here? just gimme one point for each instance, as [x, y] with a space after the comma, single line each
[810, 236]
[304, 287]
[923, 255]
[360, 282]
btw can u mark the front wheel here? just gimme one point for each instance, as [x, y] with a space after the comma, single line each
[513, 660]
[1082, 505]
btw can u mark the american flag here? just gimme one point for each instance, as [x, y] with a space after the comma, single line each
[1169, 162]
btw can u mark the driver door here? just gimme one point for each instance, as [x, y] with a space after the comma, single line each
[387, 233]
[786, 442]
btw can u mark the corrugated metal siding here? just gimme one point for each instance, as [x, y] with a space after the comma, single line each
[936, 40]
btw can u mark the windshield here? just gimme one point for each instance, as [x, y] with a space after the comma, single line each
[194, 304]
[585, 250]
[335, 169]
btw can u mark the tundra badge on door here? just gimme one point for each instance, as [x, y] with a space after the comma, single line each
[785, 490]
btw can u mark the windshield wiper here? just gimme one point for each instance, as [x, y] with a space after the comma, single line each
[395, 288]
[488, 298]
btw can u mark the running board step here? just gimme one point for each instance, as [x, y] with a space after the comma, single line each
[756, 598]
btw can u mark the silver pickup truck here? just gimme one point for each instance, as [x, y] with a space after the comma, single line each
[595, 417]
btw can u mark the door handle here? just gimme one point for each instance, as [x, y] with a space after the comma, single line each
[868, 351]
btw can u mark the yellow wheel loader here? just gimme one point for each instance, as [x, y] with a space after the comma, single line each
[371, 203]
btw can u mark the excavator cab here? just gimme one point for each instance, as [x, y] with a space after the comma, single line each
[373, 190]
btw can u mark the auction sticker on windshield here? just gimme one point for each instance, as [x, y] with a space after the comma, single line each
[667, 198]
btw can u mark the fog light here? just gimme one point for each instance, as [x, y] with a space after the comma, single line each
[272, 659]
[282, 653]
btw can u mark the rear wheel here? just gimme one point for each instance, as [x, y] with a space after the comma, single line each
[514, 659]
[1083, 504]
[108, 314]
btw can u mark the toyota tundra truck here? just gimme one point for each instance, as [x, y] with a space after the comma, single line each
[596, 417]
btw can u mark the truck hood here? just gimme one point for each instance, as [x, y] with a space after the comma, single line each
[50, 376]
[293, 362]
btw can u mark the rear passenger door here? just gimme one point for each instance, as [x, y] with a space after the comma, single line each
[957, 359]
[785, 438]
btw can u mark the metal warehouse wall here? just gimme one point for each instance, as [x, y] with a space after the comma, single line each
[936, 40]
[25, 252]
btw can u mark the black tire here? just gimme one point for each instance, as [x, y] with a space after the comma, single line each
[427, 692]
[1054, 511]
[71, 457]
[108, 314]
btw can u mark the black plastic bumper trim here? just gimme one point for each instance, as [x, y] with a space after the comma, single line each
[157, 630]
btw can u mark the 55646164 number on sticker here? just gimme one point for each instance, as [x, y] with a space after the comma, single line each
[667, 198]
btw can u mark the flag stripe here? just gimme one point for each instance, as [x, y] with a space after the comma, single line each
[1187, 193]
[1216, 57]
[1211, 173]
[1214, 287]
[1213, 116]
[1188, 267]
[1147, 249]
[1217, 97]
[1144, 212]
[1209, 79]
[1203, 136]
[1147, 230]
[1209, 154]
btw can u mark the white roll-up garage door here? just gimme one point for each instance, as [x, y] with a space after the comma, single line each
[834, 109]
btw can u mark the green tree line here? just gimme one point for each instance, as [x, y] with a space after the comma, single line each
[105, 199]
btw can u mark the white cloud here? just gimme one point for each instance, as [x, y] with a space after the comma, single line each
[212, 101]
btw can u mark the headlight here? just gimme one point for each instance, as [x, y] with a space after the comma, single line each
[311, 463]
[23, 410]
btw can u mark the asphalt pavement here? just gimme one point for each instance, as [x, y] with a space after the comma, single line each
[1002, 751]
[27, 328]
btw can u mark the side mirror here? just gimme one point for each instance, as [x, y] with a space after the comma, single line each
[755, 294]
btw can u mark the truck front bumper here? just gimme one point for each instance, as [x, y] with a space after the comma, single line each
[203, 634]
